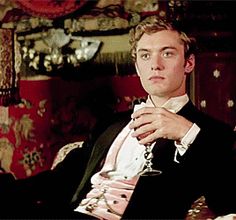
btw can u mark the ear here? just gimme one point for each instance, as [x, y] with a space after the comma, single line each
[189, 64]
[137, 70]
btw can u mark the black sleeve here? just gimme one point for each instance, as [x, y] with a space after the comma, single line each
[49, 190]
[221, 187]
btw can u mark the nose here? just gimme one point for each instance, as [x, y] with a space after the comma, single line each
[157, 63]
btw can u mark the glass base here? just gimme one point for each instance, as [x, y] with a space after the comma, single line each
[150, 172]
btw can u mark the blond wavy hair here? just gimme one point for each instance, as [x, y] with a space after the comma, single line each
[154, 24]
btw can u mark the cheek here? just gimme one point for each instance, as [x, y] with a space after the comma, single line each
[175, 74]
[177, 69]
[143, 65]
[143, 72]
[177, 80]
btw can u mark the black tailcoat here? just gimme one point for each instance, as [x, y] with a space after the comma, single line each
[207, 168]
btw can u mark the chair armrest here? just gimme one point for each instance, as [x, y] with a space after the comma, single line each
[61, 154]
[199, 210]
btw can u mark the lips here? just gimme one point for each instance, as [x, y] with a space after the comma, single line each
[156, 78]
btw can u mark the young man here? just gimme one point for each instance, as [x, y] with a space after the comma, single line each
[102, 179]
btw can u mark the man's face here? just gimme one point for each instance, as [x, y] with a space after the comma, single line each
[161, 64]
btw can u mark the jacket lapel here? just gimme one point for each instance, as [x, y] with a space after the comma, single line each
[101, 147]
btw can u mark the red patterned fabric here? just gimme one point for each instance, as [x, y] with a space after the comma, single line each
[54, 112]
[50, 8]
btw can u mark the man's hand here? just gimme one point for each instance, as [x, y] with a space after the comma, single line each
[151, 123]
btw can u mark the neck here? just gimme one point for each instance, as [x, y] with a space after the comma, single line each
[160, 101]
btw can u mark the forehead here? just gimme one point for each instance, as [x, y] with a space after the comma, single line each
[160, 39]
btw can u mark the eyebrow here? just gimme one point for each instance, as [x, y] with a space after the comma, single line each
[162, 49]
[143, 50]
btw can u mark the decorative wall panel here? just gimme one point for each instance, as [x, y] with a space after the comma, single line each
[215, 85]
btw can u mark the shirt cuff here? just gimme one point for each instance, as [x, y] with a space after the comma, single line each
[187, 140]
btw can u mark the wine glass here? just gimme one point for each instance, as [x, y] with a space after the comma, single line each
[148, 170]
[148, 155]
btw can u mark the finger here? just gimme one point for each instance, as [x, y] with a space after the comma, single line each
[142, 111]
[152, 137]
[142, 131]
[141, 121]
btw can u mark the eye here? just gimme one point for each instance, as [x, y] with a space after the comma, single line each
[167, 54]
[145, 56]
